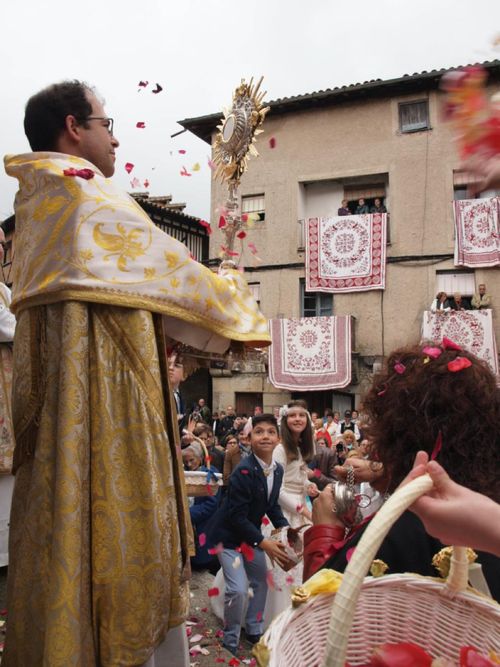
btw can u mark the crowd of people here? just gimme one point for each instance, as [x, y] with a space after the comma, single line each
[445, 304]
[101, 531]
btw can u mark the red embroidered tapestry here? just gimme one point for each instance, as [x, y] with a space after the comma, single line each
[477, 242]
[310, 353]
[346, 254]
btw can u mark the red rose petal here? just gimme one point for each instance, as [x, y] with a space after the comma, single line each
[289, 580]
[317, 472]
[244, 471]
[181, 151]
[450, 345]
[244, 217]
[222, 222]
[185, 172]
[146, 183]
[265, 521]
[213, 551]
[247, 551]
[270, 580]
[213, 592]
[234, 662]
[158, 89]
[459, 364]
[399, 368]
[141, 125]
[437, 446]
[241, 235]
[143, 84]
[272, 142]
[70, 172]
[202, 539]
[128, 167]
[258, 616]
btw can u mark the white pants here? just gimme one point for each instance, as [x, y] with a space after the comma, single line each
[172, 652]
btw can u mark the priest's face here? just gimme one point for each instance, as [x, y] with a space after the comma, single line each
[97, 143]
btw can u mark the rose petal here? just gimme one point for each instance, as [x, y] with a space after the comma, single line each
[202, 539]
[206, 224]
[258, 616]
[158, 89]
[146, 183]
[289, 580]
[450, 345]
[141, 125]
[128, 167]
[458, 364]
[213, 551]
[244, 471]
[317, 472]
[184, 171]
[181, 151]
[143, 84]
[241, 235]
[234, 662]
[270, 580]
[349, 553]
[399, 368]
[437, 446]
[272, 142]
[433, 352]
[247, 551]
[265, 521]
[211, 164]
[213, 592]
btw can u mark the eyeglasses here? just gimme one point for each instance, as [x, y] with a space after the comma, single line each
[110, 121]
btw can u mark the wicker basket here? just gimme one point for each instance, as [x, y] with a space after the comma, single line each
[366, 612]
[196, 480]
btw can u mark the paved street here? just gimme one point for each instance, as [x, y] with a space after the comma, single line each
[201, 622]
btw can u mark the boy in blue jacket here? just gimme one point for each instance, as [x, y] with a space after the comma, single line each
[253, 492]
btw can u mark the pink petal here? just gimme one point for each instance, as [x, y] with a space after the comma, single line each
[141, 125]
[211, 164]
[399, 368]
[202, 539]
[182, 151]
[270, 580]
[244, 217]
[433, 352]
[128, 167]
[244, 471]
[213, 551]
[298, 509]
[258, 616]
[289, 580]
[317, 472]
[349, 553]
[272, 142]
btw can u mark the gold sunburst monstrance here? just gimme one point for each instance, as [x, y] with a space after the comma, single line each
[234, 145]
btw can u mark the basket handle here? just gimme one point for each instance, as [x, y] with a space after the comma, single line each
[205, 450]
[345, 599]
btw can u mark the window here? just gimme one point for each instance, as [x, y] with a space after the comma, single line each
[254, 204]
[414, 116]
[314, 304]
[451, 281]
[255, 291]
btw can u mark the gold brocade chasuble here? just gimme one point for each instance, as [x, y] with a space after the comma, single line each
[100, 534]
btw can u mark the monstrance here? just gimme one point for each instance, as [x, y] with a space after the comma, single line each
[233, 146]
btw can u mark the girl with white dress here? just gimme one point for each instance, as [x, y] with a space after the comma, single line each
[294, 452]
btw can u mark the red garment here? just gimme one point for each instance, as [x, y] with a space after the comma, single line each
[322, 542]
[324, 434]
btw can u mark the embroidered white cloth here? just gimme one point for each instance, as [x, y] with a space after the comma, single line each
[310, 353]
[471, 329]
[346, 253]
[477, 240]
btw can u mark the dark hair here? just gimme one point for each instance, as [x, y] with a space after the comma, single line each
[228, 437]
[267, 418]
[202, 428]
[46, 112]
[306, 440]
[408, 409]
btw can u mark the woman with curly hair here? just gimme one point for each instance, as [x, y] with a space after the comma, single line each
[435, 398]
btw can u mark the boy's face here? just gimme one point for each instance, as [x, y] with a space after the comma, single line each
[264, 438]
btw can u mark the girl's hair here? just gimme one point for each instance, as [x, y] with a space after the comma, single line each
[306, 439]
[349, 434]
[442, 400]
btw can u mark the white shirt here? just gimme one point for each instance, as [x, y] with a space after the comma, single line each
[269, 473]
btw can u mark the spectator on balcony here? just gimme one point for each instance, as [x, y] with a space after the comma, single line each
[441, 303]
[344, 209]
[378, 207]
[458, 303]
[481, 300]
[362, 208]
